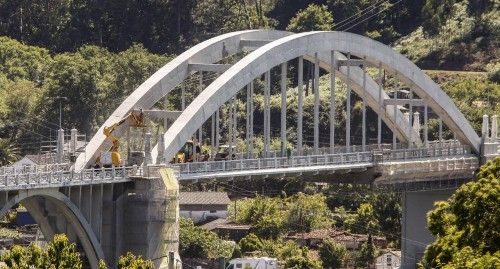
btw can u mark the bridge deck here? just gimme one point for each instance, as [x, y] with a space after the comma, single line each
[397, 162]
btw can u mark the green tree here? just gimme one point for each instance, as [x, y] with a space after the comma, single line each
[58, 254]
[8, 152]
[302, 261]
[435, 13]
[250, 243]
[332, 254]
[313, 18]
[196, 242]
[387, 211]
[307, 213]
[130, 261]
[466, 225]
[363, 221]
[63, 254]
[367, 253]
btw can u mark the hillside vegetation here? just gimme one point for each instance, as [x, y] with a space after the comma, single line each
[96, 54]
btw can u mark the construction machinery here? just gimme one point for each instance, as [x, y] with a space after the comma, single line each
[112, 157]
[190, 152]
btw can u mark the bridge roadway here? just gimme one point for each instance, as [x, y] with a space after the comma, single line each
[391, 163]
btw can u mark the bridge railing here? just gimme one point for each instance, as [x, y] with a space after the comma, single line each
[417, 153]
[38, 179]
[53, 167]
[324, 159]
[275, 163]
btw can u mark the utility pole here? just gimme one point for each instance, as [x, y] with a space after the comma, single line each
[60, 98]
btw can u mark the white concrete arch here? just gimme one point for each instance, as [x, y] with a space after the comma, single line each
[290, 47]
[73, 215]
[168, 77]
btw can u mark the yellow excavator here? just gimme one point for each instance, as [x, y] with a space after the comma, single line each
[113, 157]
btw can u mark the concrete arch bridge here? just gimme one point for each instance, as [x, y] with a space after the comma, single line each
[107, 209]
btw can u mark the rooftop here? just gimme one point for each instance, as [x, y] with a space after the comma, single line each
[203, 198]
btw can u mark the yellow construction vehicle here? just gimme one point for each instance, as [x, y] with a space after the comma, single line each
[189, 153]
[113, 157]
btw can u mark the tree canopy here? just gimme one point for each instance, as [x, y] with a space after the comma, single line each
[466, 225]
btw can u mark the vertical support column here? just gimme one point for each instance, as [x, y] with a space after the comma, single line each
[147, 149]
[485, 129]
[348, 106]
[235, 125]
[247, 126]
[416, 124]
[316, 103]
[283, 109]
[217, 128]
[494, 128]
[380, 105]
[230, 126]
[410, 121]
[363, 123]
[395, 110]
[60, 145]
[426, 126]
[267, 125]
[200, 131]
[74, 139]
[212, 137]
[440, 130]
[332, 101]
[250, 137]
[161, 149]
[300, 101]
[183, 96]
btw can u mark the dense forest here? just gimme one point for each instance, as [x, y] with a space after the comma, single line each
[87, 56]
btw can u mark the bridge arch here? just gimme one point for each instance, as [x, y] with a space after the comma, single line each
[71, 213]
[167, 78]
[213, 50]
[287, 48]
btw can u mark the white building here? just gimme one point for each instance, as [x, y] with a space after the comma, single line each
[202, 206]
[389, 260]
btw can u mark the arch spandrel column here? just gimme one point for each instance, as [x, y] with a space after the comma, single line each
[290, 47]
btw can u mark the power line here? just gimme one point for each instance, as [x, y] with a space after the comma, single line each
[371, 16]
[359, 14]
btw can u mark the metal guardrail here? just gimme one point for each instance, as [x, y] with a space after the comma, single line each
[375, 156]
[40, 179]
[52, 176]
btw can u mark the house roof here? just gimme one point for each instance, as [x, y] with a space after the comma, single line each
[203, 198]
[338, 235]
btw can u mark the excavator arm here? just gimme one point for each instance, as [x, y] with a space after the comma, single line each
[134, 119]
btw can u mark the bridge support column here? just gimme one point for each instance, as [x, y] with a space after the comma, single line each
[348, 107]
[316, 103]
[149, 219]
[283, 109]
[300, 102]
[332, 101]
[414, 233]
[267, 112]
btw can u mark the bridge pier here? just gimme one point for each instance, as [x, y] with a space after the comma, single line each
[107, 218]
[415, 235]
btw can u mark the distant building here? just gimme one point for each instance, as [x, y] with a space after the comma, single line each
[391, 259]
[203, 206]
[227, 229]
[31, 160]
[351, 241]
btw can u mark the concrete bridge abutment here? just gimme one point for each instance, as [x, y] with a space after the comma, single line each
[107, 220]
